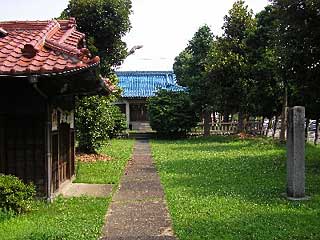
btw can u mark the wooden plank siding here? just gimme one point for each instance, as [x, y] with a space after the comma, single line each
[22, 148]
[25, 149]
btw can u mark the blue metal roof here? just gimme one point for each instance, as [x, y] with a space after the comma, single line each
[146, 84]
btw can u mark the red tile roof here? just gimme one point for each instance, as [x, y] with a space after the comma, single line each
[42, 47]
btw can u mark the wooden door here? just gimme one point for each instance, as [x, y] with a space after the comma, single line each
[61, 155]
[55, 162]
[64, 152]
[138, 112]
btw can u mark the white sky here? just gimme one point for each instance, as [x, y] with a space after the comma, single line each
[163, 27]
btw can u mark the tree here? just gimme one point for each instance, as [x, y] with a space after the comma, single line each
[104, 22]
[299, 50]
[171, 113]
[268, 85]
[189, 68]
[228, 65]
[97, 120]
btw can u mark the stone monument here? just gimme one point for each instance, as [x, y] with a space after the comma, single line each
[296, 154]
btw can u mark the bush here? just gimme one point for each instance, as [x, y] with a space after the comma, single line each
[15, 195]
[97, 120]
[171, 113]
[120, 122]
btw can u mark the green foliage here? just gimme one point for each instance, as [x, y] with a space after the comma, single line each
[78, 218]
[299, 50]
[119, 120]
[189, 67]
[171, 113]
[97, 120]
[228, 65]
[104, 22]
[15, 196]
[230, 188]
[266, 95]
[109, 172]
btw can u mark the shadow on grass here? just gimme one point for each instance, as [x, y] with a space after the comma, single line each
[221, 144]
[266, 225]
[251, 169]
[229, 188]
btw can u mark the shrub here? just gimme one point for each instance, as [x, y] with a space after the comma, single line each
[15, 195]
[171, 113]
[96, 120]
[120, 122]
[6, 215]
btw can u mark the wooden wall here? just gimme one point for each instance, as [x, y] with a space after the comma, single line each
[22, 132]
[24, 117]
[22, 148]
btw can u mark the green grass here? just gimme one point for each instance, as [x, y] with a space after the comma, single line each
[106, 172]
[74, 218]
[226, 188]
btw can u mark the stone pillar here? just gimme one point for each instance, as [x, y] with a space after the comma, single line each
[296, 154]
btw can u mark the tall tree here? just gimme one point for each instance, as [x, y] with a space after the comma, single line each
[189, 67]
[104, 22]
[228, 66]
[299, 48]
[268, 86]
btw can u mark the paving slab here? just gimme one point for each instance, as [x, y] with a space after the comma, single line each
[140, 238]
[92, 190]
[139, 190]
[138, 209]
[139, 219]
[138, 175]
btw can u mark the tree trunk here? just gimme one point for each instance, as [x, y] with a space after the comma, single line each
[207, 122]
[284, 117]
[225, 117]
[316, 132]
[241, 120]
[306, 130]
[275, 127]
[262, 127]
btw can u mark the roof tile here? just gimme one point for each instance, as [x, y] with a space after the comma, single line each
[8, 64]
[146, 84]
[42, 47]
[46, 68]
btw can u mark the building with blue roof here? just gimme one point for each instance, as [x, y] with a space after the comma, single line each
[137, 86]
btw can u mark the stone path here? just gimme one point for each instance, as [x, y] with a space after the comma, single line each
[138, 209]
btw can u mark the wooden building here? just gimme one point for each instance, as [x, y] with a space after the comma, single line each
[43, 66]
[137, 86]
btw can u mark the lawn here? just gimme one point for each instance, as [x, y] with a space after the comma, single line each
[73, 218]
[228, 188]
[108, 172]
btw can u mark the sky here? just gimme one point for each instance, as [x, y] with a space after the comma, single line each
[163, 27]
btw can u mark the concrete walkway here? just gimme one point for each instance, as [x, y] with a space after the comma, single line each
[138, 209]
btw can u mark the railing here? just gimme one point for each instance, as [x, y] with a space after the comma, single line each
[226, 128]
[254, 127]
